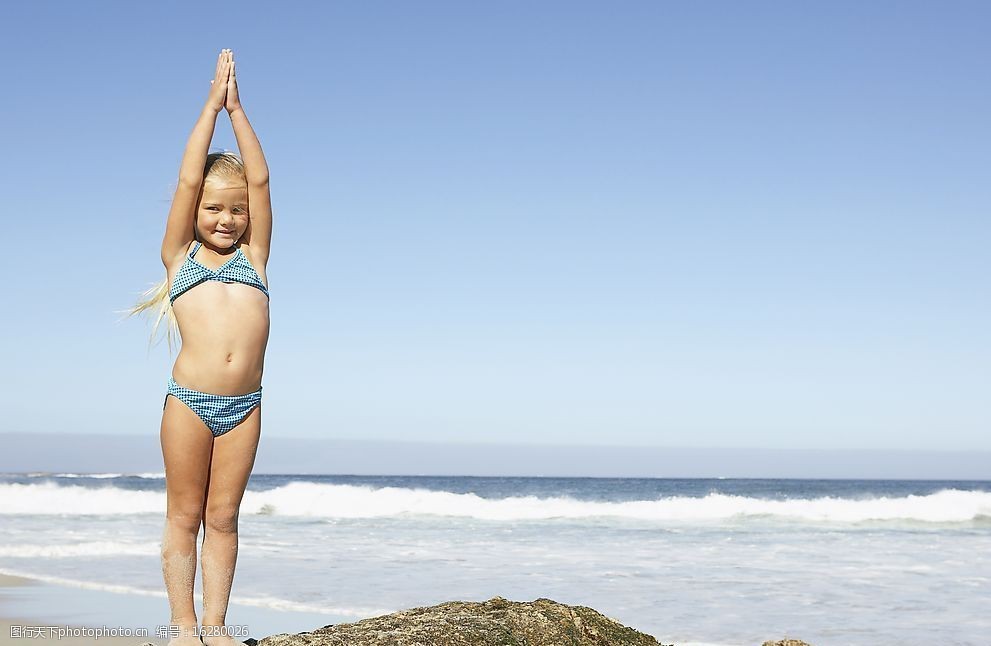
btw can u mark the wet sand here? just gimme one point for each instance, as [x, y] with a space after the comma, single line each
[24, 631]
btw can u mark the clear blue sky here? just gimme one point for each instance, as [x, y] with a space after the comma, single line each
[719, 224]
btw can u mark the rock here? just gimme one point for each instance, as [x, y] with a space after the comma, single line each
[496, 622]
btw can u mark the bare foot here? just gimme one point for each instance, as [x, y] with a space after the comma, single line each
[187, 637]
[219, 636]
[221, 640]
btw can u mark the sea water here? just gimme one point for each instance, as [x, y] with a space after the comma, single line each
[689, 561]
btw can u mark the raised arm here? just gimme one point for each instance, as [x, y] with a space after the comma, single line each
[258, 236]
[179, 227]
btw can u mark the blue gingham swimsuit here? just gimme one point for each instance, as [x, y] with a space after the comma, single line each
[238, 269]
[220, 413]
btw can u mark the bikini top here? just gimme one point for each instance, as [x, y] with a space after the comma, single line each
[238, 270]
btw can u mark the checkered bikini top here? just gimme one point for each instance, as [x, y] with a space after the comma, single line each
[238, 270]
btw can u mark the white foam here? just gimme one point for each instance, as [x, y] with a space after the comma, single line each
[320, 500]
[54, 498]
[274, 603]
[293, 606]
[152, 475]
[348, 501]
[73, 550]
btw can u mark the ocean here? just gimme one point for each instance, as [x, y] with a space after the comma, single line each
[731, 562]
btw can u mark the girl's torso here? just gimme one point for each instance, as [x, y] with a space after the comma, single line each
[223, 316]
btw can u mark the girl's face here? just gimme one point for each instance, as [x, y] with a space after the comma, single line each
[222, 213]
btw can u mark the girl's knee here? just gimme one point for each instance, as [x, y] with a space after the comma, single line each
[187, 520]
[221, 518]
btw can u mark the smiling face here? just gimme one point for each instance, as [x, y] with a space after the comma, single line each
[222, 213]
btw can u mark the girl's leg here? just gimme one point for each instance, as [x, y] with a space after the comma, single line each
[230, 466]
[186, 447]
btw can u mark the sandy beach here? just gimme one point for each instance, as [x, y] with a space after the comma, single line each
[15, 629]
[33, 608]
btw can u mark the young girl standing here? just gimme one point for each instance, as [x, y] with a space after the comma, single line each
[215, 250]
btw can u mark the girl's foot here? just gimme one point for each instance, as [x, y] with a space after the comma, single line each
[219, 636]
[187, 637]
[221, 640]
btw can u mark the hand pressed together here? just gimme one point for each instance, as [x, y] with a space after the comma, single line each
[217, 99]
[233, 101]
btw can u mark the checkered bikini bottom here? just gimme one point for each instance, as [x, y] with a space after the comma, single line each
[220, 413]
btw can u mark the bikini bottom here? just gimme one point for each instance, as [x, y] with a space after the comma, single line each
[220, 413]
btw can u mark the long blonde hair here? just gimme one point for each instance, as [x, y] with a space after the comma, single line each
[228, 165]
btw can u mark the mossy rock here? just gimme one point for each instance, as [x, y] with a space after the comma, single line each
[496, 622]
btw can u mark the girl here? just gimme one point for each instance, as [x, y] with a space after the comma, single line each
[215, 250]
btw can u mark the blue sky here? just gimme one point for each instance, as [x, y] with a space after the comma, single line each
[718, 224]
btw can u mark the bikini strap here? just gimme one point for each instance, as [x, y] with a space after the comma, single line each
[195, 249]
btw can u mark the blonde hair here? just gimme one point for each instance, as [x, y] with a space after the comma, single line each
[219, 165]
